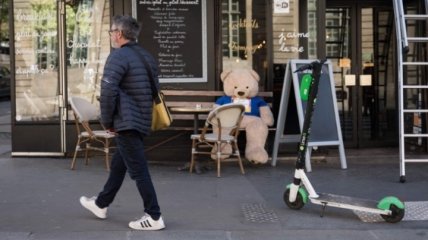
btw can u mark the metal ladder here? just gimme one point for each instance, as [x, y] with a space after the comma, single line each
[404, 64]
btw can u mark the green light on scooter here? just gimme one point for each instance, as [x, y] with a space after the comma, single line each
[305, 85]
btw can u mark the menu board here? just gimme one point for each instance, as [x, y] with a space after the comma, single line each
[174, 31]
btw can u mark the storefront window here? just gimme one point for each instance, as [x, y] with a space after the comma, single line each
[36, 60]
[244, 35]
[37, 54]
[87, 46]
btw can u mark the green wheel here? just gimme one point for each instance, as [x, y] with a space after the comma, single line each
[296, 205]
[395, 206]
[396, 214]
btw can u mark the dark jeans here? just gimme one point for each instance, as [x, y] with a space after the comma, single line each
[129, 156]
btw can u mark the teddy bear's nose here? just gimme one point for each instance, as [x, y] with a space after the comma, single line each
[240, 93]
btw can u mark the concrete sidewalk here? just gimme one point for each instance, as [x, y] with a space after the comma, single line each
[39, 199]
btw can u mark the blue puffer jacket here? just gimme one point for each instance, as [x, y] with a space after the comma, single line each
[126, 95]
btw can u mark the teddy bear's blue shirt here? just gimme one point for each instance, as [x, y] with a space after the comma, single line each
[256, 103]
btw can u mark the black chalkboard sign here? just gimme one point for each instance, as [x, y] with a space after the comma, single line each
[175, 33]
[325, 127]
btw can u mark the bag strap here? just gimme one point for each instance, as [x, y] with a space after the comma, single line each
[149, 71]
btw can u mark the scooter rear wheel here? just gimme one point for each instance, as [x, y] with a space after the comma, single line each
[396, 215]
[296, 205]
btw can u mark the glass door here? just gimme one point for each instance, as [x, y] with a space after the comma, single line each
[60, 48]
[360, 42]
[36, 79]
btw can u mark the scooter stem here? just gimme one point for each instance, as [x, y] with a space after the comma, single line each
[316, 67]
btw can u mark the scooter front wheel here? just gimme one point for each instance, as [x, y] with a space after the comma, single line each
[396, 214]
[296, 205]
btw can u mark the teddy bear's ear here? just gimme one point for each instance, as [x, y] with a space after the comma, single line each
[255, 75]
[224, 75]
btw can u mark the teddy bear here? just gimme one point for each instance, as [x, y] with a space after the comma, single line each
[241, 85]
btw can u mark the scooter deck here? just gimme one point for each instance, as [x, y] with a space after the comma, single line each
[327, 199]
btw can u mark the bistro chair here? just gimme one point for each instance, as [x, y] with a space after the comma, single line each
[87, 138]
[226, 119]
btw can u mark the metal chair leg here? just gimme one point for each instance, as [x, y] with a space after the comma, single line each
[76, 149]
[218, 158]
[87, 154]
[192, 159]
[73, 162]
[241, 166]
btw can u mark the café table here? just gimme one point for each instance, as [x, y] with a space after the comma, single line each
[196, 111]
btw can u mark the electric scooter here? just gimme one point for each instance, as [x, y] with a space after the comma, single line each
[297, 194]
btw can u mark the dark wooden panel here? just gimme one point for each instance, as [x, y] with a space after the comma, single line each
[36, 138]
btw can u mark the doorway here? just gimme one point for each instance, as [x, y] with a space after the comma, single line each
[360, 44]
[58, 50]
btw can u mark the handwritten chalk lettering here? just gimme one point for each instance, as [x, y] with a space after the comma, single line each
[73, 44]
[85, 16]
[181, 65]
[291, 35]
[24, 17]
[165, 55]
[283, 37]
[29, 51]
[297, 35]
[156, 32]
[183, 2]
[82, 62]
[177, 76]
[163, 41]
[150, 2]
[159, 13]
[243, 23]
[236, 47]
[27, 33]
[179, 33]
[195, 2]
[285, 48]
[172, 31]
[34, 69]
[168, 2]
[156, 10]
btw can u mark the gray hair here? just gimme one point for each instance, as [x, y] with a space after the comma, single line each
[128, 26]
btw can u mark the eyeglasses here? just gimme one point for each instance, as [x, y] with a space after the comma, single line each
[112, 31]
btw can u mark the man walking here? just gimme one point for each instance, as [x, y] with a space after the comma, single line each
[126, 106]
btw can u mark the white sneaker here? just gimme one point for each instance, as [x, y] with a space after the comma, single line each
[89, 203]
[147, 223]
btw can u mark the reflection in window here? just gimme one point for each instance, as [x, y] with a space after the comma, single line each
[36, 60]
[37, 56]
[244, 34]
[87, 46]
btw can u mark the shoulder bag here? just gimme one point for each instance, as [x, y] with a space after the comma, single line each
[161, 117]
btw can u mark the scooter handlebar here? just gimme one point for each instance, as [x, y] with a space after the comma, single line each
[310, 66]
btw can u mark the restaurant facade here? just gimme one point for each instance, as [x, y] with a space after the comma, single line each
[58, 49]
